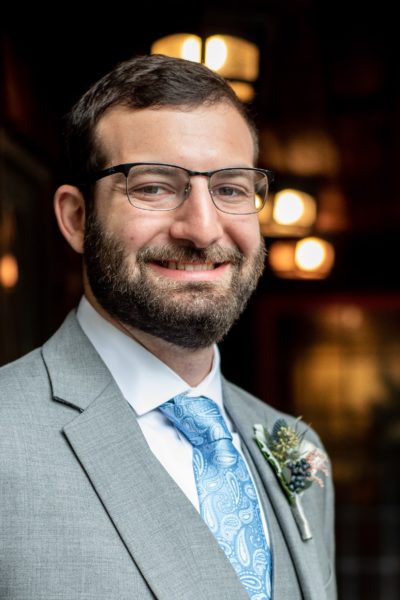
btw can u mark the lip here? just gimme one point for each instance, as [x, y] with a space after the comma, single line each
[192, 274]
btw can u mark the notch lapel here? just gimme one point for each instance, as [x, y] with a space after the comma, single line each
[304, 554]
[167, 539]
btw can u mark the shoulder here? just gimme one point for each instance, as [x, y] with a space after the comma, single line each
[24, 370]
[25, 380]
[22, 381]
[25, 393]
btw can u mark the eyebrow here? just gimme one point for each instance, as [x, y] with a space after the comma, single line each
[155, 169]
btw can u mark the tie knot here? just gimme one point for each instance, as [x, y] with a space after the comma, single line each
[198, 418]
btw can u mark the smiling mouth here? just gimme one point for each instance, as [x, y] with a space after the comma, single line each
[189, 266]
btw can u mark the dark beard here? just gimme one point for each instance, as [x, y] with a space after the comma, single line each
[191, 315]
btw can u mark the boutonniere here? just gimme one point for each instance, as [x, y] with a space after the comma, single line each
[296, 462]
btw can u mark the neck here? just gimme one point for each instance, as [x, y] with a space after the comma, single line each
[192, 365]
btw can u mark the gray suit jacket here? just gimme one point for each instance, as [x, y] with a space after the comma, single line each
[88, 513]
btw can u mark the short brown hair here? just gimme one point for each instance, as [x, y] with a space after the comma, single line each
[141, 82]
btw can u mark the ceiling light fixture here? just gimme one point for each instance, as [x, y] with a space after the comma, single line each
[309, 258]
[234, 58]
[289, 212]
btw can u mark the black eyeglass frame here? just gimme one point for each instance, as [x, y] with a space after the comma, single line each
[126, 167]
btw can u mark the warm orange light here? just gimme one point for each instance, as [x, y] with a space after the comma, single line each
[310, 254]
[234, 58]
[8, 271]
[292, 213]
[179, 45]
[281, 258]
[294, 207]
[309, 258]
[216, 52]
[243, 90]
[191, 48]
[314, 255]
[288, 208]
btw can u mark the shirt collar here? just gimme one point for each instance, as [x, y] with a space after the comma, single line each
[144, 380]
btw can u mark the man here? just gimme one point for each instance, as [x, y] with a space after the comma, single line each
[106, 491]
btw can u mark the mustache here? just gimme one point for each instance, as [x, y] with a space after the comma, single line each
[212, 254]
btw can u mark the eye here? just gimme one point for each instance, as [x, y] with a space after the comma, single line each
[232, 185]
[150, 189]
[227, 191]
[149, 186]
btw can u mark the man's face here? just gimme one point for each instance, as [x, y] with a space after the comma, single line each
[183, 275]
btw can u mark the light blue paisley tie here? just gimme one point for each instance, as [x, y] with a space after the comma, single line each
[227, 497]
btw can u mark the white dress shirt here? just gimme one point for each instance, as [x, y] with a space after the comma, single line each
[146, 383]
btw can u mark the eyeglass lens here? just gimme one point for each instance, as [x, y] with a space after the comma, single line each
[162, 187]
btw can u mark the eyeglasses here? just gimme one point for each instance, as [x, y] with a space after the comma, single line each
[156, 186]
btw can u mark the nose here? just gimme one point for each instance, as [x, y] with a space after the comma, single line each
[197, 220]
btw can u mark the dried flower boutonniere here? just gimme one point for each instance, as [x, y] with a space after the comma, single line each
[296, 463]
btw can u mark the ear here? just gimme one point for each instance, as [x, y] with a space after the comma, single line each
[69, 206]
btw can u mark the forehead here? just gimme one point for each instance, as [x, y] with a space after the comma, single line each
[173, 134]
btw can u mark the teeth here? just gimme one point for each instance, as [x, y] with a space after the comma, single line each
[190, 266]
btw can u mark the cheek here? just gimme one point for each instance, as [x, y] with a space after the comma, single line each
[245, 232]
[138, 229]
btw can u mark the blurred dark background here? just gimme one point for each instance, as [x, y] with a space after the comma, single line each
[327, 104]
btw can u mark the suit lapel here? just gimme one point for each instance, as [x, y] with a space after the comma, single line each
[168, 541]
[303, 554]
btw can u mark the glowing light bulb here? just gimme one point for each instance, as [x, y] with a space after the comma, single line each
[8, 271]
[191, 49]
[310, 254]
[216, 53]
[288, 207]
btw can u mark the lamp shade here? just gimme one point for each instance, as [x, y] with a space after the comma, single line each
[308, 258]
[179, 45]
[234, 58]
[289, 212]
